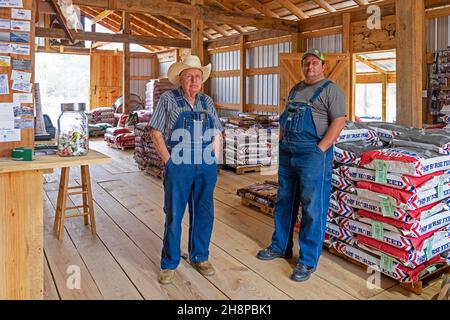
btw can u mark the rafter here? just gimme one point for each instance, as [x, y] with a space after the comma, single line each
[227, 6]
[370, 64]
[187, 11]
[293, 8]
[62, 20]
[219, 29]
[362, 2]
[174, 25]
[114, 37]
[325, 5]
[261, 8]
[102, 15]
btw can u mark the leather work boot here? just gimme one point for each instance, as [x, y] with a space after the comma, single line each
[204, 267]
[301, 273]
[166, 276]
[268, 254]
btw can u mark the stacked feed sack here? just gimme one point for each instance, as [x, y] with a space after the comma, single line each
[399, 212]
[119, 137]
[145, 153]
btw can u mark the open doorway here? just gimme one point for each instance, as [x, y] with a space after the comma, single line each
[375, 88]
[62, 78]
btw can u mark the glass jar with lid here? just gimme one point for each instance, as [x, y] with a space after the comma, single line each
[73, 130]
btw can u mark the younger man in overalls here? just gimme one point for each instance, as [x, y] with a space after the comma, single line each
[186, 132]
[312, 121]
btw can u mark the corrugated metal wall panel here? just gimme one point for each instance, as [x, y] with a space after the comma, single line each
[164, 67]
[330, 43]
[261, 89]
[138, 87]
[438, 34]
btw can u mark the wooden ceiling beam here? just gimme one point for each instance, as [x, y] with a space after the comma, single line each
[325, 5]
[114, 37]
[174, 25]
[370, 64]
[102, 15]
[299, 13]
[261, 8]
[62, 20]
[219, 29]
[208, 14]
[362, 2]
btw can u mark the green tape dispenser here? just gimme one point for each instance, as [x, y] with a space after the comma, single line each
[22, 154]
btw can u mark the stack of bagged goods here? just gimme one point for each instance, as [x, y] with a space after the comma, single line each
[434, 140]
[353, 141]
[98, 129]
[120, 137]
[145, 153]
[101, 115]
[153, 91]
[397, 211]
[265, 193]
[250, 140]
[387, 132]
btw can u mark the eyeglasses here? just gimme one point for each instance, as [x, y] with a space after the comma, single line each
[192, 77]
[312, 63]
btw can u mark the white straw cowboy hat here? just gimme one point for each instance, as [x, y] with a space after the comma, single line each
[189, 62]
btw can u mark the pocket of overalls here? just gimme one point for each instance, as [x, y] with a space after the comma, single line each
[295, 119]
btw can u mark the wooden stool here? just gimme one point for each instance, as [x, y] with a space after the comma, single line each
[88, 204]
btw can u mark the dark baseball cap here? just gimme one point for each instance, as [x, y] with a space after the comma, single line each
[314, 52]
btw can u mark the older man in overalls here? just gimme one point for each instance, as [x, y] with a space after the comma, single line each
[186, 132]
[312, 121]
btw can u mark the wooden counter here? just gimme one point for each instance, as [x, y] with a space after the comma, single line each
[21, 221]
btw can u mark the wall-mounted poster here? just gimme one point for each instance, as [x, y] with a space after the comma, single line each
[21, 64]
[11, 3]
[22, 37]
[21, 14]
[5, 61]
[17, 25]
[5, 24]
[4, 83]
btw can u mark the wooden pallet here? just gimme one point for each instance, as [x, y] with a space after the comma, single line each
[114, 146]
[416, 287]
[243, 169]
[253, 204]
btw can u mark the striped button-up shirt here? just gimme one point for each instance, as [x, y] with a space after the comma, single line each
[167, 112]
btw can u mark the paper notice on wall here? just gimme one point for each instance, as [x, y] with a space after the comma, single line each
[5, 61]
[4, 83]
[11, 3]
[23, 37]
[7, 131]
[22, 86]
[21, 64]
[5, 47]
[21, 14]
[23, 49]
[22, 98]
[5, 24]
[20, 76]
[17, 25]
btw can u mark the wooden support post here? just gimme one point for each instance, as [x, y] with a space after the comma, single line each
[384, 97]
[298, 43]
[197, 34]
[47, 25]
[410, 24]
[242, 74]
[126, 65]
[347, 49]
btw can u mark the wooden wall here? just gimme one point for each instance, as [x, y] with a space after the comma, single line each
[27, 135]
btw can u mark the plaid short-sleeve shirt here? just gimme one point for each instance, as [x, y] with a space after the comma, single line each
[167, 112]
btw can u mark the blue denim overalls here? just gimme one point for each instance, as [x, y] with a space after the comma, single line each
[304, 176]
[189, 178]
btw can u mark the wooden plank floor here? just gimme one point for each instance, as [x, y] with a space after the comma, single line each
[122, 261]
